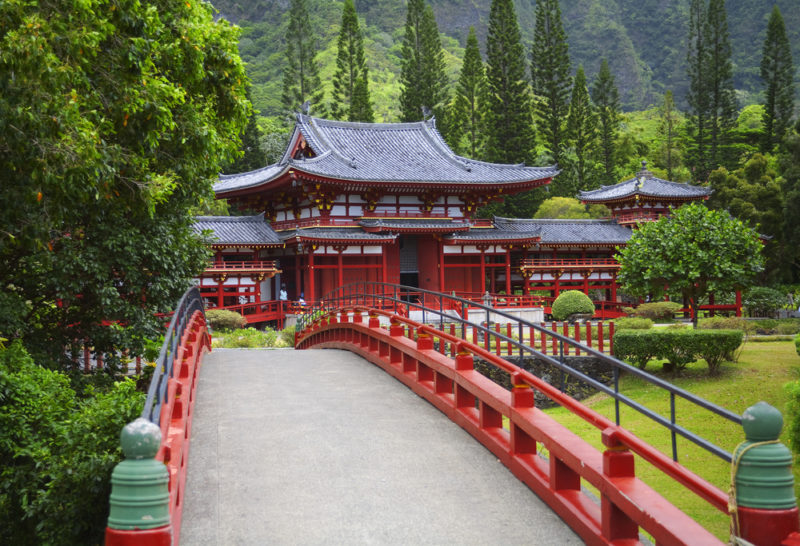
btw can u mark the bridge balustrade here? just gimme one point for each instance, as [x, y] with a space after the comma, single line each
[140, 488]
[437, 362]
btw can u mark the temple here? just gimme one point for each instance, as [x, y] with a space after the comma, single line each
[391, 202]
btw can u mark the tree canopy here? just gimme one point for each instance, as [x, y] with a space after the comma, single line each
[113, 122]
[695, 251]
[350, 98]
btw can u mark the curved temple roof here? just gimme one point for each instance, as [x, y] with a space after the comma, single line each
[645, 185]
[382, 152]
[237, 230]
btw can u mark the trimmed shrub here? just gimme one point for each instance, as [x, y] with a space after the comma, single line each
[571, 302]
[657, 310]
[762, 301]
[726, 323]
[287, 336]
[222, 319]
[793, 411]
[679, 346]
[632, 323]
[797, 344]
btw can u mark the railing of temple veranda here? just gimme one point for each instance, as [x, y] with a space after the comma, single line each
[416, 336]
[147, 493]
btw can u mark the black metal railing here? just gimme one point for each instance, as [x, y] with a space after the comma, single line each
[190, 302]
[440, 307]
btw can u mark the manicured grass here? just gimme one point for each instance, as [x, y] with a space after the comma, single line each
[760, 374]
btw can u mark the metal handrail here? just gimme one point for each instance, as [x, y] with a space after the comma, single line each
[190, 302]
[394, 297]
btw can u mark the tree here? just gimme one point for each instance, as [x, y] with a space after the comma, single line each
[722, 98]
[789, 162]
[582, 133]
[350, 100]
[301, 81]
[669, 156]
[112, 124]
[606, 100]
[777, 72]
[695, 251]
[467, 133]
[423, 79]
[697, 94]
[569, 208]
[550, 69]
[508, 111]
[252, 156]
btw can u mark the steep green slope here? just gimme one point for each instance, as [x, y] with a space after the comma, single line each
[644, 41]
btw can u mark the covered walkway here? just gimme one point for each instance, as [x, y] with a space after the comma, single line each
[322, 447]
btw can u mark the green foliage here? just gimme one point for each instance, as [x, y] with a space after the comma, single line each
[223, 319]
[793, 410]
[632, 323]
[468, 133]
[550, 77]
[606, 99]
[113, 123]
[789, 162]
[678, 346]
[250, 338]
[669, 155]
[252, 155]
[571, 302]
[508, 111]
[301, 79]
[569, 207]
[423, 78]
[777, 71]
[797, 344]
[582, 136]
[350, 97]
[727, 323]
[762, 301]
[58, 451]
[695, 251]
[287, 336]
[657, 310]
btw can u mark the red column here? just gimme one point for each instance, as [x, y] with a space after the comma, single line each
[310, 296]
[508, 271]
[298, 284]
[441, 267]
[340, 268]
[383, 264]
[483, 272]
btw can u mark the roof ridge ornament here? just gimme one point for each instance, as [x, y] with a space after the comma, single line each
[642, 175]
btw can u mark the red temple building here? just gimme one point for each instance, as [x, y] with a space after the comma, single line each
[391, 202]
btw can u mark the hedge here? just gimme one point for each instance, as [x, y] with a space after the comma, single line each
[678, 346]
[657, 310]
[222, 319]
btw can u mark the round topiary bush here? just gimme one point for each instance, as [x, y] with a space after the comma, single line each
[570, 303]
[222, 319]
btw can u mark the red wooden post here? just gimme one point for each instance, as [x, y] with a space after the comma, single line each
[508, 343]
[618, 462]
[600, 339]
[497, 340]
[565, 331]
[553, 327]
[611, 338]
[589, 334]
[577, 337]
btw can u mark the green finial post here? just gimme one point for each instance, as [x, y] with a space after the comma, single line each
[765, 510]
[139, 484]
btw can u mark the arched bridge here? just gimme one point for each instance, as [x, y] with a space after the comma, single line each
[305, 448]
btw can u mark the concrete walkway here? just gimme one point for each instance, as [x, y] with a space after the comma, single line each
[322, 447]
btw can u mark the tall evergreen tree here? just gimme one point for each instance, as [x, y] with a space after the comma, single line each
[301, 81]
[697, 95]
[252, 157]
[606, 101]
[508, 109]
[423, 79]
[667, 130]
[777, 72]
[722, 99]
[789, 162]
[550, 69]
[582, 134]
[350, 98]
[467, 127]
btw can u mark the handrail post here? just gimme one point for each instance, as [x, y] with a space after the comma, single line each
[763, 504]
[618, 462]
[139, 499]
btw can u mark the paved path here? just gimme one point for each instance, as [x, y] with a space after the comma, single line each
[322, 447]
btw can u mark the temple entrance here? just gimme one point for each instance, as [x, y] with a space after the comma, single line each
[409, 270]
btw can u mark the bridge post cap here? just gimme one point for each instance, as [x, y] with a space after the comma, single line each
[762, 422]
[610, 438]
[140, 439]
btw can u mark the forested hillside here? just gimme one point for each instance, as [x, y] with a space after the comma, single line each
[643, 40]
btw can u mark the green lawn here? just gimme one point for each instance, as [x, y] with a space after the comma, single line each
[760, 374]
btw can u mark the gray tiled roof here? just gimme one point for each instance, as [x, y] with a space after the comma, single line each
[244, 230]
[552, 231]
[384, 152]
[390, 224]
[332, 233]
[650, 187]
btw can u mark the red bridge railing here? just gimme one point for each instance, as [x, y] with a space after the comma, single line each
[439, 366]
[148, 487]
